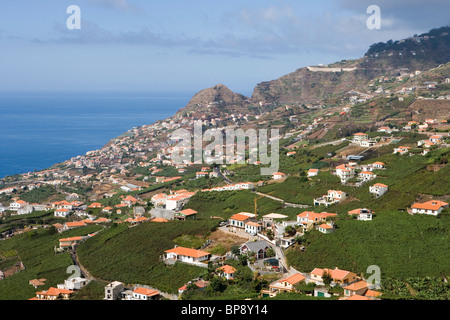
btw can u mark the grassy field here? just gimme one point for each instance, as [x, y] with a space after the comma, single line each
[132, 255]
[225, 204]
[36, 251]
[400, 244]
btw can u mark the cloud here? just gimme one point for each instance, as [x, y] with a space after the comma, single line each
[122, 5]
[264, 33]
[405, 14]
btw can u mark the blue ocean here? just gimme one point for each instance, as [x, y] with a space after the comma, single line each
[38, 130]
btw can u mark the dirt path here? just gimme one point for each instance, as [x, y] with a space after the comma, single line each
[287, 204]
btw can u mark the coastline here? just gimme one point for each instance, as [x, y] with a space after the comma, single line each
[58, 131]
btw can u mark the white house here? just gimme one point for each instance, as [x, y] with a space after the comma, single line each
[62, 213]
[313, 172]
[345, 172]
[141, 293]
[278, 176]
[16, 205]
[74, 283]
[201, 174]
[366, 176]
[177, 201]
[358, 137]
[253, 228]
[363, 214]
[433, 207]
[378, 165]
[159, 200]
[227, 272]
[240, 220]
[378, 189]
[326, 228]
[187, 255]
[333, 196]
[401, 150]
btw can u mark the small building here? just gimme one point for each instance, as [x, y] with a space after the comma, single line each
[253, 228]
[358, 137]
[259, 248]
[227, 272]
[187, 214]
[239, 220]
[401, 150]
[69, 242]
[433, 207]
[62, 213]
[54, 294]
[333, 196]
[141, 293]
[366, 176]
[37, 282]
[74, 283]
[358, 288]
[16, 205]
[313, 172]
[73, 225]
[378, 189]
[363, 214]
[278, 176]
[201, 284]
[321, 292]
[113, 290]
[187, 255]
[284, 285]
[338, 276]
[326, 228]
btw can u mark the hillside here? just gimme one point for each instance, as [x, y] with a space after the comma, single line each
[215, 101]
[313, 85]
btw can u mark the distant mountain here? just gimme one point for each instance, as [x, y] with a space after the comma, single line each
[215, 101]
[314, 85]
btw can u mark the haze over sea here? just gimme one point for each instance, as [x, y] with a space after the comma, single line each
[38, 130]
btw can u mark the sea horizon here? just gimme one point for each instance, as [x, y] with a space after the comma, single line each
[40, 128]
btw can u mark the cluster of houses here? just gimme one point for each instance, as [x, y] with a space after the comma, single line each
[174, 201]
[118, 291]
[362, 139]
[354, 287]
[62, 291]
[363, 173]
[332, 197]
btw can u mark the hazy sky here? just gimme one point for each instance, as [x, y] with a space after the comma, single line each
[189, 45]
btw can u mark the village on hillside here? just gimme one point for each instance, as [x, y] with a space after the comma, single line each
[362, 185]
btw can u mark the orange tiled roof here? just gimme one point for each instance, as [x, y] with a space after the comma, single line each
[294, 278]
[188, 252]
[372, 293]
[71, 239]
[75, 224]
[188, 212]
[147, 292]
[228, 269]
[356, 286]
[380, 185]
[430, 205]
[239, 217]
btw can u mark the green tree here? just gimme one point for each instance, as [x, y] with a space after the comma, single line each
[235, 250]
[270, 253]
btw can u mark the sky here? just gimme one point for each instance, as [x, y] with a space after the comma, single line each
[189, 45]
